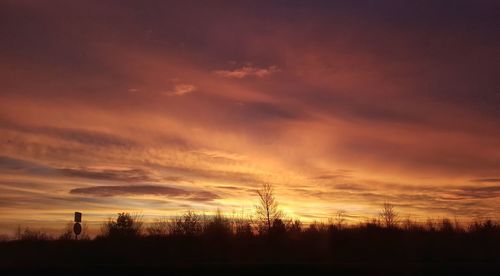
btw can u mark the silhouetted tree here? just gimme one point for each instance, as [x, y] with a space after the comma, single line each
[319, 243]
[294, 226]
[67, 233]
[158, 227]
[389, 216]
[447, 226]
[278, 228]
[487, 226]
[340, 218]
[218, 227]
[430, 225]
[267, 209]
[125, 226]
[188, 225]
[409, 225]
[243, 228]
[31, 235]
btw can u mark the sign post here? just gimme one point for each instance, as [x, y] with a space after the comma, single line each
[77, 228]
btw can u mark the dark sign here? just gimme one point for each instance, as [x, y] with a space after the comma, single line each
[78, 217]
[77, 228]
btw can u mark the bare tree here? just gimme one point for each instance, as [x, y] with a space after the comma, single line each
[389, 215]
[267, 210]
[340, 217]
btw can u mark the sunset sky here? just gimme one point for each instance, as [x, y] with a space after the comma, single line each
[158, 107]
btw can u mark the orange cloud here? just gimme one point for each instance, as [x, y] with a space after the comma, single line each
[181, 89]
[248, 71]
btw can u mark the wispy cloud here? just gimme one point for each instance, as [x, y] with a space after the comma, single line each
[248, 71]
[181, 89]
[131, 190]
[78, 135]
[127, 175]
[487, 180]
[478, 192]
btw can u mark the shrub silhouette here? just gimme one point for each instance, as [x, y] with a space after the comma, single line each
[486, 227]
[187, 225]
[340, 218]
[125, 226]
[447, 226]
[29, 234]
[293, 227]
[159, 228]
[278, 228]
[242, 228]
[218, 239]
[68, 234]
[218, 227]
[194, 239]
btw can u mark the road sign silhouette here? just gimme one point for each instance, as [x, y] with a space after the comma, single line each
[78, 217]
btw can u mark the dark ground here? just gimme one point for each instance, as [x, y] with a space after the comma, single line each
[259, 269]
[221, 249]
[384, 252]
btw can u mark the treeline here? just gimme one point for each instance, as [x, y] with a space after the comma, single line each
[192, 224]
[268, 221]
[193, 238]
[268, 238]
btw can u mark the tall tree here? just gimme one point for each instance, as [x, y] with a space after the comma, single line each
[268, 209]
[389, 215]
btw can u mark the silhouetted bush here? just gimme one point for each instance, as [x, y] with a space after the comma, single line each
[67, 233]
[192, 238]
[187, 225]
[218, 227]
[293, 227]
[446, 226]
[31, 235]
[243, 228]
[278, 228]
[159, 228]
[125, 226]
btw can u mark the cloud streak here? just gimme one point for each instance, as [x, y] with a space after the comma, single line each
[127, 175]
[248, 71]
[181, 89]
[131, 190]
